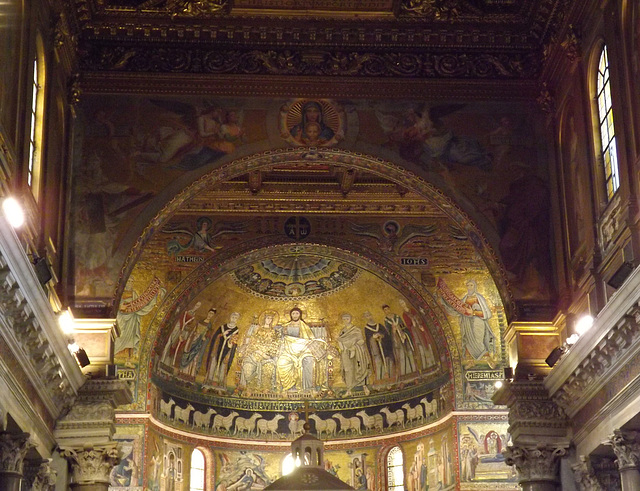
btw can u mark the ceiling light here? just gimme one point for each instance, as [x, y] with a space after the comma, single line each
[498, 384]
[13, 211]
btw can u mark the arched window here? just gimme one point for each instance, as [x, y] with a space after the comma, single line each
[197, 474]
[395, 470]
[34, 166]
[607, 132]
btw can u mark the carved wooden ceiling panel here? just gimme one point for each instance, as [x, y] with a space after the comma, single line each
[406, 39]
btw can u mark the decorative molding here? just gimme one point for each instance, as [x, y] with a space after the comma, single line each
[601, 363]
[13, 449]
[311, 87]
[92, 464]
[92, 418]
[536, 462]
[601, 352]
[427, 64]
[433, 9]
[571, 45]
[31, 328]
[626, 446]
[546, 100]
[533, 416]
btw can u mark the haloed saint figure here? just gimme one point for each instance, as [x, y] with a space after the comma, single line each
[312, 123]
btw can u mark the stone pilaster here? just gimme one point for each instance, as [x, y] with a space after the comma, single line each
[626, 446]
[39, 476]
[91, 465]
[537, 465]
[13, 448]
[585, 476]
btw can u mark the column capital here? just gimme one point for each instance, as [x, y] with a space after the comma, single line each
[40, 475]
[585, 476]
[536, 462]
[92, 464]
[13, 448]
[626, 446]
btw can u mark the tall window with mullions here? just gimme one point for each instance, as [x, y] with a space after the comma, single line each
[395, 470]
[607, 131]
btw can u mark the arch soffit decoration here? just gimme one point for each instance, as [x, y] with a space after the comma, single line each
[196, 281]
[381, 167]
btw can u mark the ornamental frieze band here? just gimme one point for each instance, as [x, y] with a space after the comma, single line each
[322, 63]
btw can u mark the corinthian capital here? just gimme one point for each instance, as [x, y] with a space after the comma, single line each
[626, 446]
[13, 448]
[92, 464]
[536, 462]
[584, 476]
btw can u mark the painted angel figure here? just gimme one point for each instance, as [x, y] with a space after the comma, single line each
[202, 239]
[191, 136]
[421, 135]
[391, 237]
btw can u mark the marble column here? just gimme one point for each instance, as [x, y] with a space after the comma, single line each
[626, 446]
[13, 448]
[537, 465]
[585, 476]
[91, 466]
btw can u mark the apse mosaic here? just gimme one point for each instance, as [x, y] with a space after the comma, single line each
[135, 152]
[357, 337]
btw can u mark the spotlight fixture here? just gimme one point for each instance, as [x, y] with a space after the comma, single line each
[555, 355]
[508, 373]
[66, 322]
[583, 324]
[82, 357]
[13, 211]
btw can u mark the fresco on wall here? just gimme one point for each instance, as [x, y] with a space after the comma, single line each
[134, 149]
[480, 455]
[127, 475]
[576, 182]
[10, 31]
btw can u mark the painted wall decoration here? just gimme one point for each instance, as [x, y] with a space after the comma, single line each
[461, 453]
[482, 464]
[127, 475]
[136, 151]
[312, 123]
